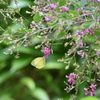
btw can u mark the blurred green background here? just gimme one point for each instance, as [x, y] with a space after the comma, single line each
[21, 81]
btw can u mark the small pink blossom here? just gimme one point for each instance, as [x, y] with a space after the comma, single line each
[96, 1]
[59, 29]
[72, 81]
[86, 91]
[64, 8]
[95, 27]
[46, 51]
[71, 75]
[82, 54]
[90, 90]
[81, 44]
[99, 19]
[91, 32]
[48, 19]
[93, 87]
[98, 53]
[72, 78]
[81, 33]
[86, 56]
[52, 6]
[78, 10]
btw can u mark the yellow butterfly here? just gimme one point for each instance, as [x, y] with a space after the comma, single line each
[1, 41]
[38, 62]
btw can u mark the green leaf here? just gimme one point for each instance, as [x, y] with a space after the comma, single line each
[61, 34]
[19, 63]
[89, 98]
[4, 76]
[53, 65]
[37, 18]
[51, 23]
[17, 10]
[84, 60]
[88, 8]
[98, 60]
[98, 92]
[28, 82]
[97, 32]
[40, 94]
[57, 9]
[9, 29]
[56, 27]
[51, 36]
[69, 23]
[89, 37]
[74, 1]
[74, 13]
[83, 3]
[87, 79]
[62, 2]
[5, 97]
[90, 25]
[42, 26]
[72, 7]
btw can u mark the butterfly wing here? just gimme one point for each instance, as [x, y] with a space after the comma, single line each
[38, 62]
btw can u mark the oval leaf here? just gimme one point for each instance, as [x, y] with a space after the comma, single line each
[40, 94]
[28, 82]
[37, 18]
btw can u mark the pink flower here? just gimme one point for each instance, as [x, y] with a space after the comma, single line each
[81, 44]
[81, 33]
[86, 91]
[59, 29]
[93, 87]
[72, 75]
[96, 1]
[52, 6]
[78, 10]
[72, 78]
[48, 19]
[86, 56]
[99, 19]
[82, 54]
[90, 90]
[91, 32]
[95, 27]
[64, 8]
[71, 81]
[46, 51]
[98, 53]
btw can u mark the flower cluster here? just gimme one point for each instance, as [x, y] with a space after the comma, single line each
[50, 8]
[47, 19]
[82, 54]
[99, 19]
[90, 31]
[78, 10]
[90, 90]
[96, 1]
[72, 78]
[64, 8]
[98, 53]
[84, 32]
[46, 52]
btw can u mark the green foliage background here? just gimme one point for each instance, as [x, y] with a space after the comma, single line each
[21, 81]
